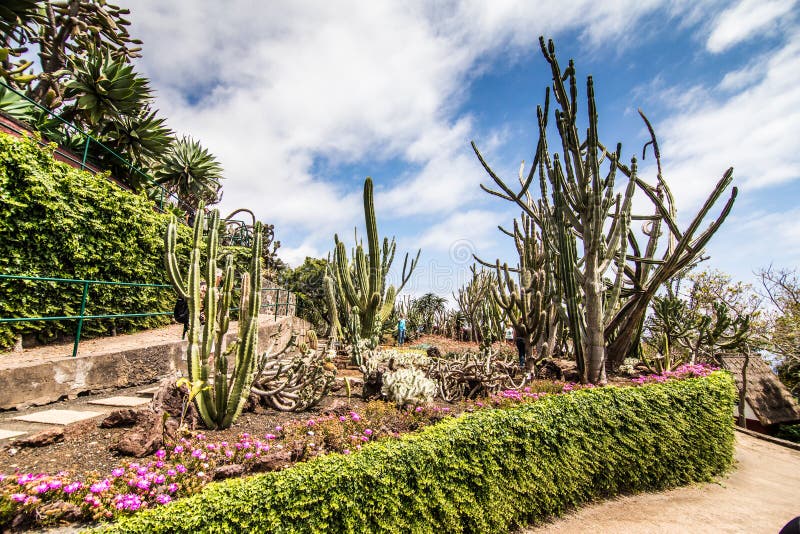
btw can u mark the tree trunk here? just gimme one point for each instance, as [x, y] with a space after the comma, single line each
[594, 349]
[743, 391]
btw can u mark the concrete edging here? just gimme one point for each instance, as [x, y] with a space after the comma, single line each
[49, 381]
[771, 439]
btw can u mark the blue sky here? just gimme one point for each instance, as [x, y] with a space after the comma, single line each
[301, 100]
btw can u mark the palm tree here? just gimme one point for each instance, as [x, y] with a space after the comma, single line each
[192, 172]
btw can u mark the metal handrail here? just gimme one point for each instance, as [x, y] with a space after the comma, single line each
[85, 295]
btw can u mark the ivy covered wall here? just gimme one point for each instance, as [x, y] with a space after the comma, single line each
[57, 221]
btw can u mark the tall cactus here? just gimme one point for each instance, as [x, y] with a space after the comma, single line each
[362, 283]
[588, 228]
[522, 292]
[221, 404]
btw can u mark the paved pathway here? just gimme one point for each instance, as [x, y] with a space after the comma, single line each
[761, 495]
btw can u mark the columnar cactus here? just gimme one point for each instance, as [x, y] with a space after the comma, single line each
[362, 283]
[587, 231]
[221, 404]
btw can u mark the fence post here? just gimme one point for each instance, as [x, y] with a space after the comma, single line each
[80, 320]
[85, 152]
[275, 303]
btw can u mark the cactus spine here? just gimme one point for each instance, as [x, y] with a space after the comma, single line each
[221, 404]
[362, 284]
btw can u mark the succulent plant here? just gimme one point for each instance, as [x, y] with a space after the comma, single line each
[207, 356]
[408, 387]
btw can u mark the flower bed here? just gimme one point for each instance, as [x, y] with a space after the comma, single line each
[483, 472]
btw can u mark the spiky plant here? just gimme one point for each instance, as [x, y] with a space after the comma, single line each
[220, 404]
[104, 88]
[362, 283]
[192, 172]
[141, 138]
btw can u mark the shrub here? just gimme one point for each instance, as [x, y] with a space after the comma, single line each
[789, 432]
[488, 471]
[60, 222]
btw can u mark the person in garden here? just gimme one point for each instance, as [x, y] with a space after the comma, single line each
[509, 334]
[519, 340]
[401, 330]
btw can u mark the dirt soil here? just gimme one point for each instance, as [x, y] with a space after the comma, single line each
[761, 495]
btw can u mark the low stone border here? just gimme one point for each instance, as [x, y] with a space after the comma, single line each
[777, 441]
[39, 383]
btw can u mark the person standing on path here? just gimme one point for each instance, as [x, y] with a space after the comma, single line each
[401, 330]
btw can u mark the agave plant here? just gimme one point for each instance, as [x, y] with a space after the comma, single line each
[141, 140]
[190, 171]
[105, 88]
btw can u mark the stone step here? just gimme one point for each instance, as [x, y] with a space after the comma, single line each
[121, 401]
[7, 434]
[149, 392]
[58, 417]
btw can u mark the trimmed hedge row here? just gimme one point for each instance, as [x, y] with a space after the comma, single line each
[483, 472]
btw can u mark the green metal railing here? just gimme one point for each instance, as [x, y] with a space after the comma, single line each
[276, 303]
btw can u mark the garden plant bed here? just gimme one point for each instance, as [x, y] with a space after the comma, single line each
[39, 482]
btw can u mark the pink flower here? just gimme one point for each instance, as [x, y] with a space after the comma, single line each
[180, 468]
[178, 449]
[73, 487]
[159, 479]
[342, 418]
[143, 484]
[346, 451]
[161, 454]
[100, 487]
[160, 464]
[171, 472]
[354, 416]
[118, 472]
[91, 499]
[172, 488]
[18, 497]
[54, 484]
[418, 409]
[368, 432]
[278, 428]
[163, 499]
[311, 422]
[269, 436]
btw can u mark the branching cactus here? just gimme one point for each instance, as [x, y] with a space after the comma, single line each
[362, 282]
[220, 404]
[606, 279]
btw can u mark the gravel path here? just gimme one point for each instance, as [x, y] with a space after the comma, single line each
[761, 495]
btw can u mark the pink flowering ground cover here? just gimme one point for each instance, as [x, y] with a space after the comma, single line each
[184, 468]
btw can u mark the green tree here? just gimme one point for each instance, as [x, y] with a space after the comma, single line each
[782, 288]
[428, 306]
[307, 283]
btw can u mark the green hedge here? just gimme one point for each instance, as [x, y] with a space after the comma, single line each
[57, 221]
[484, 472]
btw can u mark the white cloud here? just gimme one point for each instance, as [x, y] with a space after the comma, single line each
[271, 87]
[463, 233]
[753, 130]
[744, 20]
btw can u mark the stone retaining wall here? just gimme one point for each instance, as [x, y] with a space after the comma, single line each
[37, 383]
